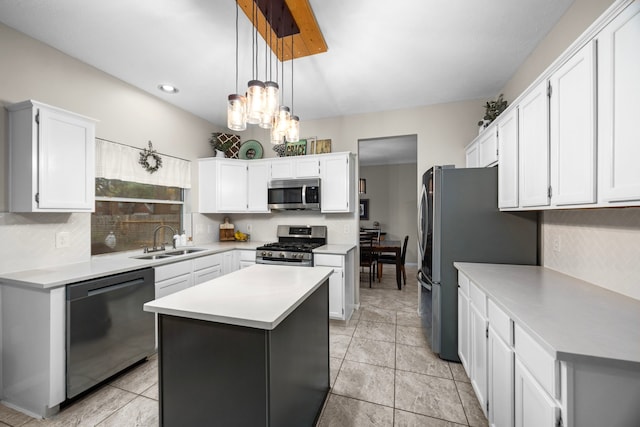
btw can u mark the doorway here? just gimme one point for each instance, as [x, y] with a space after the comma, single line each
[388, 194]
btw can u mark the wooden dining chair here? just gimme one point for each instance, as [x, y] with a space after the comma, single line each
[391, 259]
[368, 258]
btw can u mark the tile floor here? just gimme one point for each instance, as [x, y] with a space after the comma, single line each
[382, 374]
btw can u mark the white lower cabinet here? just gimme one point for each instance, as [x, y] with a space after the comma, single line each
[206, 268]
[463, 329]
[246, 258]
[341, 283]
[478, 345]
[172, 278]
[500, 360]
[533, 405]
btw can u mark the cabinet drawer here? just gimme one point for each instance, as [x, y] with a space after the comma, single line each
[328, 260]
[173, 285]
[463, 283]
[478, 299]
[176, 269]
[540, 363]
[247, 255]
[500, 322]
[207, 262]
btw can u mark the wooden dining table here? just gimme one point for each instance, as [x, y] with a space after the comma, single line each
[390, 247]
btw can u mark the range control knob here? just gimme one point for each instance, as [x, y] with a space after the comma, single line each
[282, 254]
[269, 253]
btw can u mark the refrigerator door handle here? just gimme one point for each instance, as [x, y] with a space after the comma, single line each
[423, 194]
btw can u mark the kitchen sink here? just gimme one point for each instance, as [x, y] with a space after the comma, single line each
[183, 251]
[152, 256]
[169, 254]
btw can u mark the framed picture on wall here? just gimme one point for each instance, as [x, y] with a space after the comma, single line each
[323, 146]
[298, 148]
[311, 144]
[364, 209]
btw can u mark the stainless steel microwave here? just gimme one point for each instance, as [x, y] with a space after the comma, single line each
[294, 194]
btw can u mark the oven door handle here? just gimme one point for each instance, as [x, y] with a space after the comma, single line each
[304, 194]
[304, 263]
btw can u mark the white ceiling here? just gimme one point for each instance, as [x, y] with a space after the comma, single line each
[382, 55]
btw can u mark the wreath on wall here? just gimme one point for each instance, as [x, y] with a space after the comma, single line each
[150, 160]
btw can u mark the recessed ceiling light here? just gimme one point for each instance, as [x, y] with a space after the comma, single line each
[168, 88]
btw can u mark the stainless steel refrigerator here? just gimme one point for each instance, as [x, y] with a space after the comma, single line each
[459, 220]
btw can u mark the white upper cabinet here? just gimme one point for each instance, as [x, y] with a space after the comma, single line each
[533, 127]
[295, 167]
[619, 107]
[257, 184]
[472, 155]
[483, 151]
[337, 183]
[51, 159]
[236, 186]
[488, 147]
[508, 153]
[222, 185]
[573, 130]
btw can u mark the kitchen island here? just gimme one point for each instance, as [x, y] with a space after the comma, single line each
[250, 348]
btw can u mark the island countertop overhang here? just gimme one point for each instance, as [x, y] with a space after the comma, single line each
[260, 296]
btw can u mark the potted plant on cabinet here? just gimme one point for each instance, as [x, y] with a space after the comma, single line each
[492, 109]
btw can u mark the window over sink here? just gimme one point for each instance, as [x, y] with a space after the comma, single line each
[127, 213]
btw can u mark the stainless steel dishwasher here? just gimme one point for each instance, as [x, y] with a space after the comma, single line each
[107, 329]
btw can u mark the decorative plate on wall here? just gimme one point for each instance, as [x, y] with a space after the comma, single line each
[251, 149]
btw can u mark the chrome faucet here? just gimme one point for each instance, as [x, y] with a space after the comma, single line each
[155, 239]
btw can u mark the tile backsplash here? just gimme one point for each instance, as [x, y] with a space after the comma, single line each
[29, 240]
[600, 246]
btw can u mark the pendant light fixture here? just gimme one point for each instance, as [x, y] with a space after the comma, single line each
[293, 129]
[261, 105]
[256, 88]
[236, 104]
[271, 88]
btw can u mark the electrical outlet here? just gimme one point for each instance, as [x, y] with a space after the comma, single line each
[248, 228]
[556, 244]
[62, 239]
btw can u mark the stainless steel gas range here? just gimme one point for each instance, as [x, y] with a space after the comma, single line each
[295, 245]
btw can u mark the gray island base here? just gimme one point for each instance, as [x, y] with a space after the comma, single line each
[271, 369]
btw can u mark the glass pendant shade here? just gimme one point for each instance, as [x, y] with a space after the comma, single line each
[255, 101]
[281, 122]
[276, 137]
[270, 104]
[237, 112]
[293, 131]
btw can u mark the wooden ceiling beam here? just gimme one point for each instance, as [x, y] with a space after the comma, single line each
[309, 41]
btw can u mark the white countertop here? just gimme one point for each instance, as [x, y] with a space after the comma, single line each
[571, 318]
[334, 249]
[260, 296]
[107, 264]
[104, 265]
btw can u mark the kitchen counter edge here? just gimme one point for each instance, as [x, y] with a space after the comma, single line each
[108, 264]
[276, 290]
[596, 323]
